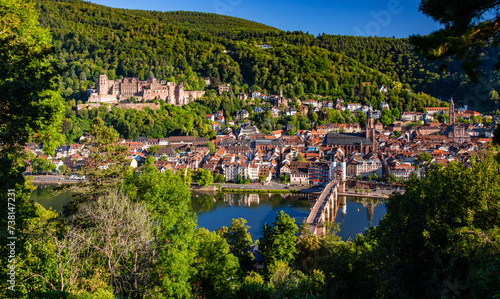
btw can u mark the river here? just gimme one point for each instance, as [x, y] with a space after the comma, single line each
[216, 210]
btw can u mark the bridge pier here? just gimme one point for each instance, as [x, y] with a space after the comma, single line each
[324, 209]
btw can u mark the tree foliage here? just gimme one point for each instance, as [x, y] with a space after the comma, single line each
[444, 229]
[168, 198]
[216, 266]
[239, 240]
[31, 109]
[469, 28]
[278, 242]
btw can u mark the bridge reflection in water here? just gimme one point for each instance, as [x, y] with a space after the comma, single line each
[333, 200]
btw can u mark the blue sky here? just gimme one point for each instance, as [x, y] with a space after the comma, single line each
[388, 18]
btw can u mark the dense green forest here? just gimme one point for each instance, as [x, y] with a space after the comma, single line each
[184, 46]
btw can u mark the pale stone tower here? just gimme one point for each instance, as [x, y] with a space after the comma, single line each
[102, 85]
[451, 113]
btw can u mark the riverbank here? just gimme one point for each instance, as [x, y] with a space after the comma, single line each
[51, 180]
[228, 190]
[272, 187]
[382, 193]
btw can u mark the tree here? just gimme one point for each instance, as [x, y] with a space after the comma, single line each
[239, 179]
[300, 158]
[496, 136]
[211, 146]
[262, 178]
[307, 249]
[62, 168]
[278, 241]
[57, 263]
[31, 108]
[239, 239]
[469, 28]
[41, 165]
[168, 199]
[106, 164]
[451, 237]
[283, 279]
[284, 179]
[153, 149]
[254, 287]
[204, 177]
[219, 178]
[120, 233]
[424, 157]
[216, 268]
[392, 178]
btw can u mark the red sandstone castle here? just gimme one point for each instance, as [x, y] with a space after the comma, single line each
[108, 91]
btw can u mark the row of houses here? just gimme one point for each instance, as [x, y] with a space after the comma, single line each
[247, 154]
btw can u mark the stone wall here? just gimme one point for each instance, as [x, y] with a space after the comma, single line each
[138, 106]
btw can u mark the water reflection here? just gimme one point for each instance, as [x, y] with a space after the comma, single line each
[353, 213]
[357, 214]
[218, 209]
[49, 199]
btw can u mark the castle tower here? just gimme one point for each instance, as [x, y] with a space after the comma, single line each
[451, 112]
[102, 85]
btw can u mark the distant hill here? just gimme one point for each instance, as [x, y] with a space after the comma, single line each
[206, 22]
[187, 46]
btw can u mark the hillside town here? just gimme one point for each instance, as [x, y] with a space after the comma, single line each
[301, 158]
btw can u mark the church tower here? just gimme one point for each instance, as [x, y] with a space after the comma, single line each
[370, 130]
[370, 126]
[451, 112]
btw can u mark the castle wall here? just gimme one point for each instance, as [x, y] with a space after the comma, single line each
[138, 106]
[102, 98]
[111, 91]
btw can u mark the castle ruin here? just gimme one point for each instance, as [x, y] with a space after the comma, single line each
[120, 90]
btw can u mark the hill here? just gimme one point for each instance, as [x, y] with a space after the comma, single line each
[206, 22]
[187, 46]
[93, 39]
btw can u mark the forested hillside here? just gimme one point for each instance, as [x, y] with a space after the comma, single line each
[181, 46]
[187, 46]
[92, 39]
[396, 59]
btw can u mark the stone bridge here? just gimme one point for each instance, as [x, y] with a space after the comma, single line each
[325, 208]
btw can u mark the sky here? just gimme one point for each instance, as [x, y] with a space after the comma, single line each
[388, 18]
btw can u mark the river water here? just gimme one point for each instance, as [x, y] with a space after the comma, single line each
[217, 209]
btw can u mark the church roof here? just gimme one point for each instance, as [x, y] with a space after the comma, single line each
[333, 138]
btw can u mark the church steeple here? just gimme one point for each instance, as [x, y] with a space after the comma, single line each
[451, 112]
[370, 126]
